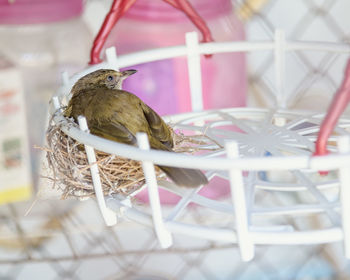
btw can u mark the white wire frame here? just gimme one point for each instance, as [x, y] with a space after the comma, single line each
[234, 163]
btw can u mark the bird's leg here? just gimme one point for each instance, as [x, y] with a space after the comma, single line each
[191, 13]
[118, 9]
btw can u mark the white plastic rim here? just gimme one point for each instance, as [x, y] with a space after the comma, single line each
[269, 142]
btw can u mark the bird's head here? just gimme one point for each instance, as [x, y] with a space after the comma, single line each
[102, 78]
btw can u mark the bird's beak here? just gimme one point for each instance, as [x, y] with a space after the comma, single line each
[128, 73]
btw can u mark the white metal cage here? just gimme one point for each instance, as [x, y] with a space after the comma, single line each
[253, 148]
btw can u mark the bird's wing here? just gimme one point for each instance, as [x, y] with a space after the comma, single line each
[118, 115]
[158, 127]
[113, 131]
[107, 117]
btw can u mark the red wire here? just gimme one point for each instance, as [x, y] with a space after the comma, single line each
[339, 103]
[191, 13]
[120, 7]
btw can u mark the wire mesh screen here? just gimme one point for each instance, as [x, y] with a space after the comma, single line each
[74, 245]
[68, 239]
[314, 76]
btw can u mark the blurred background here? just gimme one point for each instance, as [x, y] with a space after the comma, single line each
[67, 239]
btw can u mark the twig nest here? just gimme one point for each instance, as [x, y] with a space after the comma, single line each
[69, 170]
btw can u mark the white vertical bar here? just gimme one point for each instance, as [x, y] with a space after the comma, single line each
[66, 86]
[280, 68]
[194, 71]
[344, 179]
[245, 243]
[111, 56]
[56, 103]
[65, 78]
[164, 236]
[108, 215]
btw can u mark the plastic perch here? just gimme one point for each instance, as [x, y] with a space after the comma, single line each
[339, 103]
[108, 215]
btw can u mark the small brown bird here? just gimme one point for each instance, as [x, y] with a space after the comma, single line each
[118, 115]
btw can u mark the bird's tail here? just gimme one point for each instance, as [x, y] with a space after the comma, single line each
[185, 177]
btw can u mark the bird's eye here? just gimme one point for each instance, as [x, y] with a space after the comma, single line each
[110, 78]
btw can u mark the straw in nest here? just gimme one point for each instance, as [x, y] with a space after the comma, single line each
[70, 170]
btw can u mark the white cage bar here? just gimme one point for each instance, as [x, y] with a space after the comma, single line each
[162, 233]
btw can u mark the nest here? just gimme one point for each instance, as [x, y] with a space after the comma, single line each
[69, 170]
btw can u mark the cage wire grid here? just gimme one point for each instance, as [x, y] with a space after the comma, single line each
[81, 245]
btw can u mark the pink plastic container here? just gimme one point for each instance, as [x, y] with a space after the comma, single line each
[164, 85]
[152, 24]
[38, 11]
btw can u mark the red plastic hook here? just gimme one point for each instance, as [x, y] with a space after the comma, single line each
[196, 19]
[337, 107]
[120, 7]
